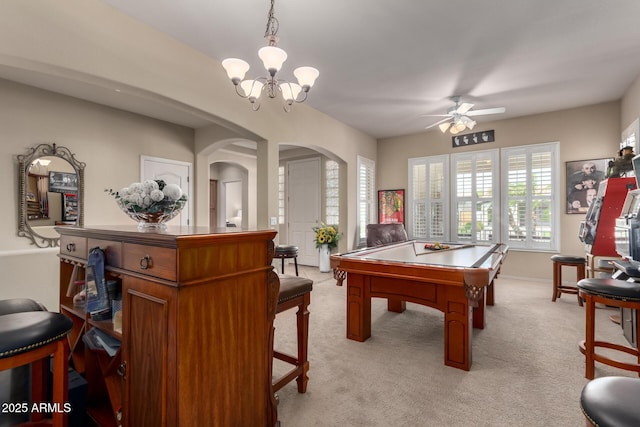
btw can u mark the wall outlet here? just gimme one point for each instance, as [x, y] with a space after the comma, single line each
[274, 220]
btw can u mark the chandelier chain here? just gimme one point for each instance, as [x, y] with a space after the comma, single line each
[272, 26]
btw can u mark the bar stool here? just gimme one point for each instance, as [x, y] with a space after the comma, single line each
[287, 251]
[295, 292]
[613, 293]
[560, 261]
[611, 402]
[31, 337]
[18, 305]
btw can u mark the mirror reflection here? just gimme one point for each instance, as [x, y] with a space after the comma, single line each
[50, 193]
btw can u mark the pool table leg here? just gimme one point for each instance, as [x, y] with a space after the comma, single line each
[358, 308]
[479, 311]
[457, 329]
[396, 305]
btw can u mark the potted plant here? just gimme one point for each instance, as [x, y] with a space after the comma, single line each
[326, 238]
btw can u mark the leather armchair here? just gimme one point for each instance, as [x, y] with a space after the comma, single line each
[383, 234]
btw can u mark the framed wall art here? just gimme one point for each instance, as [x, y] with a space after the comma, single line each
[391, 206]
[583, 179]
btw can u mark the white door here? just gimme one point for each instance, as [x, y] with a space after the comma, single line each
[303, 191]
[171, 172]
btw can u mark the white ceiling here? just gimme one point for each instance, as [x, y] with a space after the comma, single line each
[384, 63]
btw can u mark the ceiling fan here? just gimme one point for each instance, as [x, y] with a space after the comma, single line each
[458, 118]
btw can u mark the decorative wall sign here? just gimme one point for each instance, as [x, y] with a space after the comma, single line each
[390, 206]
[472, 138]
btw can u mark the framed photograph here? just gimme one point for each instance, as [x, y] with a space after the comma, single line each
[583, 179]
[63, 182]
[391, 206]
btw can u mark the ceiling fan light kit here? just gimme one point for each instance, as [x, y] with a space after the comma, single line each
[272, 58]
[458, 118]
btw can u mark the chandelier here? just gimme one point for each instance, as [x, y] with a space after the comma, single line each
[272, 57]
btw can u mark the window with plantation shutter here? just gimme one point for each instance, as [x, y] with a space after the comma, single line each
[475, 197]
[509, 196]
[428, 196]
[281, 205]
[332, 192]
[366, 198]
[531, 205]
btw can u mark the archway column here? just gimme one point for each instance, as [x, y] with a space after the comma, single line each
[267, 184]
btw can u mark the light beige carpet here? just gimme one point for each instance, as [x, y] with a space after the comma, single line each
[527, 370]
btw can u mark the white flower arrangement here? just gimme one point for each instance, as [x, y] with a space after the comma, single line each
[151, 201]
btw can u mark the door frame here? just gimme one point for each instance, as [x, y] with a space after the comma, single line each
[189, 167]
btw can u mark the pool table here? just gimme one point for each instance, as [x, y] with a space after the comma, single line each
[455, 279]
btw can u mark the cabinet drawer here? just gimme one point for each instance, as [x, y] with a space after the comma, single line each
[112, 251]
[73, 246]
[158, 262]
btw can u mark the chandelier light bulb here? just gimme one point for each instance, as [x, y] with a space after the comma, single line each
[306, 77]
[236, 69]
[272, 57]
[252, 89]
[290, 91]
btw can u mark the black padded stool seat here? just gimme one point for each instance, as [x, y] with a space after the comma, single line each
[613, 293]
[560, 261]
[30, 337]
[287, 251]
[295, 291]
[18, 305]
[611, 402]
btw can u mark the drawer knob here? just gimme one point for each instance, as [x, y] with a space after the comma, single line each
[145, 262]
[122, 370]
[71, 247]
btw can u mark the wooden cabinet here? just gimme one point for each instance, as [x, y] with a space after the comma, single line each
[197, 337]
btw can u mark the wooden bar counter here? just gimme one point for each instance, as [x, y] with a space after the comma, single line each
[197, 326]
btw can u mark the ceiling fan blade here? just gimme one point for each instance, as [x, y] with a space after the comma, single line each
[435, 115]
[437, 123]
[464, 107]
[496, 110]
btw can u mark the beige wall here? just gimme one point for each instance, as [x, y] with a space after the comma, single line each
[109, 141]
[89, 44]
[584, 133]
[630, 110]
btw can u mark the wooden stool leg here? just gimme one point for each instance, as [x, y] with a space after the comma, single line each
[638, 334]
[557, 277]
[60, 381]
[580, 275]
[303, 342]
[39, 374]
[589, 344]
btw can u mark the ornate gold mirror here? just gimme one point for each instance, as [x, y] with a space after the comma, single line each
[50, 193]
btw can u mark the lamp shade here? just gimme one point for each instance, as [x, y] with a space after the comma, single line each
[460, 126]
[290, 91]
[306, 76]
[272, 57]
[236, 69]
[252, 89]
[444, 126]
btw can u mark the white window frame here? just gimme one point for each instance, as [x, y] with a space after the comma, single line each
[428, 201]
[366, 204]
[555, 201]
[474, 157]
[332, 202]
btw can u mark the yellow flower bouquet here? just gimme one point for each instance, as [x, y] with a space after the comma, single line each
[326, 235]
